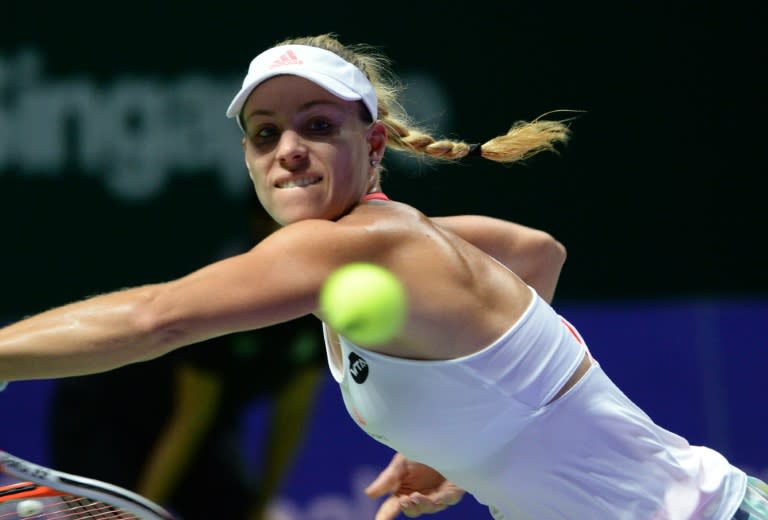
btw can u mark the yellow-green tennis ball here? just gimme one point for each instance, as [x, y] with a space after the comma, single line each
[364, 302]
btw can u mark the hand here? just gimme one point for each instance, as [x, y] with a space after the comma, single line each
[415, 489]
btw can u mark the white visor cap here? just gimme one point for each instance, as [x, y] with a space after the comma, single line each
[324, 68]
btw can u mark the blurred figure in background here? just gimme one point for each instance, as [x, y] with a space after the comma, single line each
[173, 429]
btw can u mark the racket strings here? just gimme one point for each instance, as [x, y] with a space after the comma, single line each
[68, 508]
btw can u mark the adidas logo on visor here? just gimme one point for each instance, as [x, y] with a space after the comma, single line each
[289, 58]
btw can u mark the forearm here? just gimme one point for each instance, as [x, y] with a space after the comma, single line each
[93, 335]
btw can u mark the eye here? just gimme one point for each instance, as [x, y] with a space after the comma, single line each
[265, 132]
[262, 135]
[319, 125]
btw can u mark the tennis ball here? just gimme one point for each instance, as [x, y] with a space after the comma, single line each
[364, 302]
[29, 507]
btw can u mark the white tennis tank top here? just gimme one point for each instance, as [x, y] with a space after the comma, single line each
[483, 422]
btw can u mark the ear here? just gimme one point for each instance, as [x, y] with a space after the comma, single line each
[377, 140]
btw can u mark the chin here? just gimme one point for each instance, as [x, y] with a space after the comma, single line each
[290, 217]
[290, 210]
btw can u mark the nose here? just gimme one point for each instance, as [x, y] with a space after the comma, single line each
[291, 150]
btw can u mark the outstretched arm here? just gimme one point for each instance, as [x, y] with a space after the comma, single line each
[534, 255]
[247, 291]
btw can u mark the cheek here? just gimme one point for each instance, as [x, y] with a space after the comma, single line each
[255, 171]
[352, 167]
[256, 179]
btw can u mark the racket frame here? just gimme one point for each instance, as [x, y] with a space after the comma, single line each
[39, 481]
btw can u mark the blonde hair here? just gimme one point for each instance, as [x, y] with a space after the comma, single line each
[524, 139]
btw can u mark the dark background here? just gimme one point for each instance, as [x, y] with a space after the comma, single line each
[659, 194]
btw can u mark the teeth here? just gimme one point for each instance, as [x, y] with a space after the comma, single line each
[298, 183]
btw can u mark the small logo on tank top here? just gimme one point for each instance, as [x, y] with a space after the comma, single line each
[358, 368]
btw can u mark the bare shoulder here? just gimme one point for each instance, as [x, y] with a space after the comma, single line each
[482, 225]
[341, 241]
[366, 234]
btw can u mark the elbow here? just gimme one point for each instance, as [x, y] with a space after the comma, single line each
[160, 328]
[546, 262]
[559, 253]
[552, 252]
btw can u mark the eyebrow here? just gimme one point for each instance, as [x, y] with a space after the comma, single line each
[303, 107]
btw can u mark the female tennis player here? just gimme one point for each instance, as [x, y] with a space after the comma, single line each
[486, 389]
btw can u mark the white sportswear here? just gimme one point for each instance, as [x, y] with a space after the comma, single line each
[483, 422]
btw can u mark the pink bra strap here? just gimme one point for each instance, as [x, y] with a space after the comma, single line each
[374, 196]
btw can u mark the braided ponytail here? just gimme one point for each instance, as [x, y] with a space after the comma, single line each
[523, 140]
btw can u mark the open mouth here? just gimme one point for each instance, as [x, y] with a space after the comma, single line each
[298, 182]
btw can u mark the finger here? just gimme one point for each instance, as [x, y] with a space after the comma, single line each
[449, 495]
[389, 479]
[389, 509]
[387, 482]
[416, 504]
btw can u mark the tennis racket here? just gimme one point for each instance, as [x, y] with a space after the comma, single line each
[31, 491]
